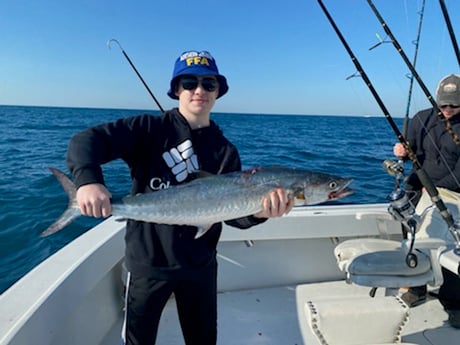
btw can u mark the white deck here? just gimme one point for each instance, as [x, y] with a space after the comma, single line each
[269, 317]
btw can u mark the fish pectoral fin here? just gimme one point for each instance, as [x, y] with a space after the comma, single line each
[300, 196]
[202, 229]
[300, 199]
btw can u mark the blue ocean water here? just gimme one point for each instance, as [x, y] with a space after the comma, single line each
[35, 138]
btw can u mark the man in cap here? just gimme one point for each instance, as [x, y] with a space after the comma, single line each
[162, 151]
[439, 155]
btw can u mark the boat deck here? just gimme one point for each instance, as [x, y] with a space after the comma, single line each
[269, 317]
[262, 316]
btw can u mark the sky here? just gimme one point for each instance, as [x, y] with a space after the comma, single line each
[279, 57]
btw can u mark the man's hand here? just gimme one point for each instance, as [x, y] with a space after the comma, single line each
[399, 150]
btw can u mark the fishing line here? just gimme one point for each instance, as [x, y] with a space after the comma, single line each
[422, 85]
[424, 178]
[450, 29]
[135, 70]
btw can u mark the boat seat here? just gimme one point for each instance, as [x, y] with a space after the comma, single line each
[382, 263]
[348, 250]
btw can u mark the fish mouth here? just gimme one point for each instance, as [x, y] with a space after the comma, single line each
[342, 192]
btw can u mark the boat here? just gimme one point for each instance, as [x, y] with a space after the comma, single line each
[281, 282]
[321, 275]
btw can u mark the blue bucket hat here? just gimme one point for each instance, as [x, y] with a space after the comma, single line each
[196, 63]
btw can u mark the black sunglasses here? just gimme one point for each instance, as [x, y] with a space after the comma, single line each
[191, 83]
[450, 106]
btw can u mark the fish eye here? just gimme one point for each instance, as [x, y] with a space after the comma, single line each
[333, 185]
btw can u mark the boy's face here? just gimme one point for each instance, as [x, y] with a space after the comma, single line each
[197, 94]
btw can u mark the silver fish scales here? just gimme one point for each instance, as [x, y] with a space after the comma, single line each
[212, 199]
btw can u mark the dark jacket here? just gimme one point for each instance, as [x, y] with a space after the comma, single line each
[160, 151]
[435, 150]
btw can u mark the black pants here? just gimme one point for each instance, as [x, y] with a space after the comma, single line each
[196, 301]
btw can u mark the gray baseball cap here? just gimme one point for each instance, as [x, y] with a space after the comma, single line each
[448, 91]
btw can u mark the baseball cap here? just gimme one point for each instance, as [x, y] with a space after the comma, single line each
[448, 90]
[196, 63]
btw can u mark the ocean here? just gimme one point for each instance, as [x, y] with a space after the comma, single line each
[35, 138]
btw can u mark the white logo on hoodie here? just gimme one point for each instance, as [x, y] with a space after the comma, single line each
[182, 160]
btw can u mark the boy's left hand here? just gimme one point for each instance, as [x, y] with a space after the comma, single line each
[276, 204]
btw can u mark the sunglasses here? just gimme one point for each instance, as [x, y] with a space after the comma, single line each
[450, 106]
[191, 83]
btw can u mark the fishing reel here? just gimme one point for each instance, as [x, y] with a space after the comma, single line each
[394, 169]
[401, 207]
[403, 210]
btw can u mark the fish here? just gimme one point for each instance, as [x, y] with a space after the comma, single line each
[214, 198]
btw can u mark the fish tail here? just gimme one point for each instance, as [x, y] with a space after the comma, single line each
[72, 212]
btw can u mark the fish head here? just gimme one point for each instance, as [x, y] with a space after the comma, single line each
[318, 188]
[305, 186]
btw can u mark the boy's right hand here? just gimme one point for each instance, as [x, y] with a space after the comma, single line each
[94, 200]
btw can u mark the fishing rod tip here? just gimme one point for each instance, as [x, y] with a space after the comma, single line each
[109, 42]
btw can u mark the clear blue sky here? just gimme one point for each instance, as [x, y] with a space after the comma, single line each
[278, 56]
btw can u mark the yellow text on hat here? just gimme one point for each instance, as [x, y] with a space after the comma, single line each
[197, 60]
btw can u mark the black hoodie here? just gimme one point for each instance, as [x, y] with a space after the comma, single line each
[160, 151]
[435, 149]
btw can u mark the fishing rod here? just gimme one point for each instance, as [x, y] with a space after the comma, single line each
[135, 70]
[422, 175]
[411, 81]
[416, 42]
[450, 29]
[422, 85]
